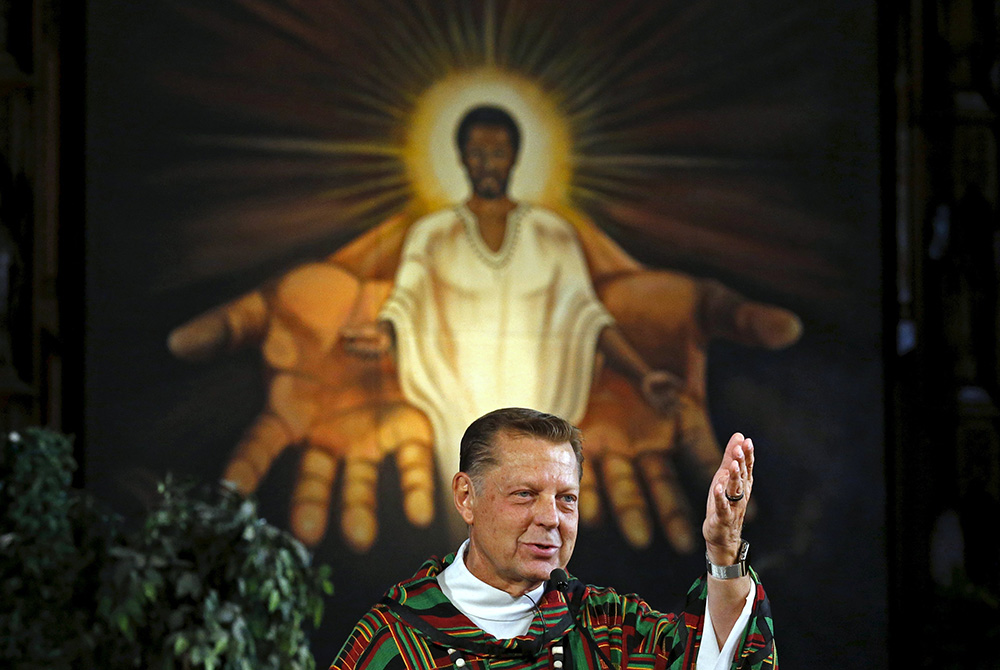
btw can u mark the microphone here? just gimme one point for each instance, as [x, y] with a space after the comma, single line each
[559, 579]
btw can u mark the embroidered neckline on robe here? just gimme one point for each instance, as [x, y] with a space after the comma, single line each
[512, 231]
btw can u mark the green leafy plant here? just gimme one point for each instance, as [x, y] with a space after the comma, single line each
[203, 583]
[209, 584]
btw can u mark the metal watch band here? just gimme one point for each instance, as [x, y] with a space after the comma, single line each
[739, 569]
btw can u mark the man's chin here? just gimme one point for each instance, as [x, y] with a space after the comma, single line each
[541, 569]
[491, 189]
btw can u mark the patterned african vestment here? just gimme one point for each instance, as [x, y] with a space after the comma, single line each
[416, 627]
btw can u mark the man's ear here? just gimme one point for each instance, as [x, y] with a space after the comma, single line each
[465, 496]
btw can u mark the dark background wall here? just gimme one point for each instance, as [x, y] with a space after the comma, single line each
[866, 143]
[752, 133]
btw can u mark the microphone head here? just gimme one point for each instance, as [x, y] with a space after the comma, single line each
[559, 579]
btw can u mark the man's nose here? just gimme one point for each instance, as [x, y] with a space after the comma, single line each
[493, 163]
[546, 512]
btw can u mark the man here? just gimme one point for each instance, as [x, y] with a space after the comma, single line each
[504, 598]
[493, 306]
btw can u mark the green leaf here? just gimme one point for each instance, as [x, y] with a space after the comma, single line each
[181, 645]
[188, 585]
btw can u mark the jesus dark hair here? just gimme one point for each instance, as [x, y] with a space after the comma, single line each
[487, 115]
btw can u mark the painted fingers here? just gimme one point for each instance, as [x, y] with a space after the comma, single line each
[360, 440]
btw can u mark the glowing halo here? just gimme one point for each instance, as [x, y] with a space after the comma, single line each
[542, 172]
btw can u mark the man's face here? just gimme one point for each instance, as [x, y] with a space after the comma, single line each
[523, 516]
[488, 158]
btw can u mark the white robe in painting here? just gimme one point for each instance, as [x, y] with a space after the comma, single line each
[477, 330]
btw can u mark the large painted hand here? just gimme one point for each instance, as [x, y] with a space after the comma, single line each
[344, 411]
[632, 449]
[635, 444]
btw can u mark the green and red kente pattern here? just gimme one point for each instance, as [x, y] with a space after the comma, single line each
[416, 627]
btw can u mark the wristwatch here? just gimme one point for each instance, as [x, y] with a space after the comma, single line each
[730, 571]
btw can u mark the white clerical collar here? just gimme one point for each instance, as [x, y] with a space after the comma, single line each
[496, 612]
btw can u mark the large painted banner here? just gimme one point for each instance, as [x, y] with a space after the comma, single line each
[323, 236]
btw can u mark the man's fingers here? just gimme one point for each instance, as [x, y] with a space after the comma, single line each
[668, 500]
[725, 508]
[738, 459]
[311, 498]
[735, 442]
[263, 441]
[229, 326]
[723, 516]
[735, 487]
[747, 472]
[744, 472]
[622, 485]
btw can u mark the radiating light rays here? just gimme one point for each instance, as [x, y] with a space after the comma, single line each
[617, 99]
[515, 56]
[281, 19]
[631, 166]
[490, 35]
[464, 36]
[305, 146]
[375, 191]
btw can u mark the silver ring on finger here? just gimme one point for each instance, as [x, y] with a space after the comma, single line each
[736, 498]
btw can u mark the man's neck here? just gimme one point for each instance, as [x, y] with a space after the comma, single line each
[501, 614]
[490, 207]
[491, 214]
[514, 589]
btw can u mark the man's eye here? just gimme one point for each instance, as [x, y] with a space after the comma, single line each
[569, 499]
[523, 494]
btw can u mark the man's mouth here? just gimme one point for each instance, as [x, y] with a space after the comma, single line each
[542, 548]
[489, 181]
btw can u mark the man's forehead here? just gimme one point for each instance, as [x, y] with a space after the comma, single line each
[511, 446]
